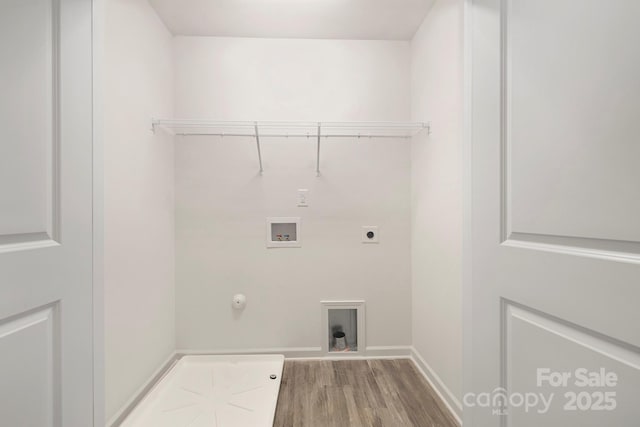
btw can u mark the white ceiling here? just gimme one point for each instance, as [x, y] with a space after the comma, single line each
[318, 19]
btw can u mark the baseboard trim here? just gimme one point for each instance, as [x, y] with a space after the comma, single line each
[128, 407]
[451, 402]
[309, 353]
[393, 351]
[288, 352]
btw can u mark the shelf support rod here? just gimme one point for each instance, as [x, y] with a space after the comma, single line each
[255, 126]
[318, 153]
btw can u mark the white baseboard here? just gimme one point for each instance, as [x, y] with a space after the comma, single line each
[377, 352]
[448, 398]
[288, 352]
[389, 351]
[120, 416]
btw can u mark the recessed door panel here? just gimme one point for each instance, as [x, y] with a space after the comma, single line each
[567, 373]
[28, 111]
[28, 369]
[571, 117]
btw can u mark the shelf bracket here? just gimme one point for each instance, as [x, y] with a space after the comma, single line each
[318, 153]
[255, 126]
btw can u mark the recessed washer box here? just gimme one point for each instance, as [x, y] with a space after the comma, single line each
[283, 232]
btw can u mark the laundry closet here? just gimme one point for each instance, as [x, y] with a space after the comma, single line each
[281, 178]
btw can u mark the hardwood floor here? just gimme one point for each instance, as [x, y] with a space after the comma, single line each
[358, 393]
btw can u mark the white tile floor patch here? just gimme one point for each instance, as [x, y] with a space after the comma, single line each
[213, 391]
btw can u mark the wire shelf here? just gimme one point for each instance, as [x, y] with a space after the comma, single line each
[292, 129]
[311, 130]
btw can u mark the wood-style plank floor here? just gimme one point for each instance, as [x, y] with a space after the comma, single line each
[358, 393]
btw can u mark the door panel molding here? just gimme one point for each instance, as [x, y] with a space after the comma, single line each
[576, 245]
[617, 352]
[49, 234]
[612, 250]
[611, 348]
[25, 241]
[31, 342]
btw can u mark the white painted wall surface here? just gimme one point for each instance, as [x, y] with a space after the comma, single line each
[222, 203]
[139, 201]
[279, 79]
[436, 161]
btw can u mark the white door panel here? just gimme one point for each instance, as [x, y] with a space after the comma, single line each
[26, 113]
[31, 378]
[571, 112]
[535, 340]
[46, 322]
[555, 220]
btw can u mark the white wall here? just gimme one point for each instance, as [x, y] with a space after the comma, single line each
[436, 195]
[222, 203]
[291, 79]
[139, 201]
